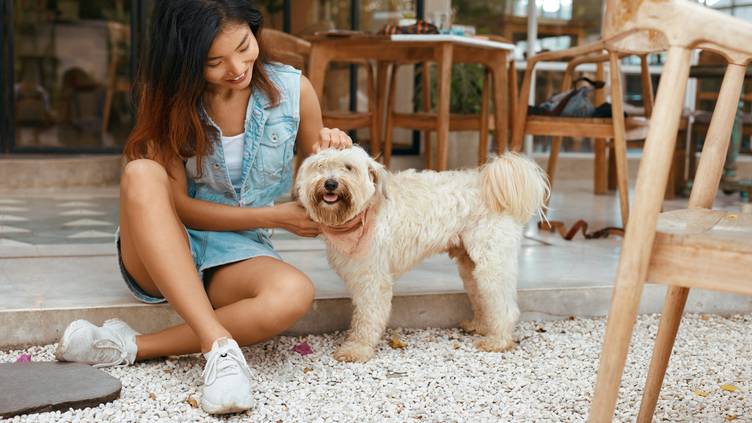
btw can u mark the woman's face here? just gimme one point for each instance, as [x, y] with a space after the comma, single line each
[231, 57]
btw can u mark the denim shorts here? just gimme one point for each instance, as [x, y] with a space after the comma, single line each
[208, 249]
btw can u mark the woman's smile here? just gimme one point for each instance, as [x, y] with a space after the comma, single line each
[238, 79]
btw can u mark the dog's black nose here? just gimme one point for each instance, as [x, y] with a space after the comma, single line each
[330, 184]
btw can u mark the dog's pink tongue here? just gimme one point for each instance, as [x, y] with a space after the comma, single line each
[330, 197]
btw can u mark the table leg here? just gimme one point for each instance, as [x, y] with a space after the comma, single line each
[442, 115]
[426, 86]
[484, 115]
[382, 74]
[500, 88]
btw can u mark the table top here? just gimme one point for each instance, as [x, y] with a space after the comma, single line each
[473, 41]
[356, 39]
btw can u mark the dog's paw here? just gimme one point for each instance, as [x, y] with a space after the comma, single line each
[473, 326]
[353, 352]
[489, 344]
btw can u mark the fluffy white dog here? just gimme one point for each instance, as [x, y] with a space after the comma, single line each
[378, 225]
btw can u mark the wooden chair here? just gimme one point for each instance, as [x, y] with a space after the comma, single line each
[618, 128]
[706, 95]
[287, 48]
[294, 51]
[692, 248]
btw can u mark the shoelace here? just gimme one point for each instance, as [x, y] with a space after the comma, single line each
[224, 364]
[109, 344]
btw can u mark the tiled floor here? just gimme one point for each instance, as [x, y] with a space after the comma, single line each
[48, 217]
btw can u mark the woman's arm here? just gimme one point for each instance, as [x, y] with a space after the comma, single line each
[312, 136]
[206, 215]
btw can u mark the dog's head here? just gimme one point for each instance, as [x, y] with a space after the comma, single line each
[335, 185]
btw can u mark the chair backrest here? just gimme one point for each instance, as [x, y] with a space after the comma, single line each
[644, 26]
[286, 48]
[621, 30]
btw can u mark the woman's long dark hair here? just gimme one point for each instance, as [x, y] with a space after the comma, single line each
[170, 79]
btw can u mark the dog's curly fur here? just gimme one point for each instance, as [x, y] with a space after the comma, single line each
[477, 216]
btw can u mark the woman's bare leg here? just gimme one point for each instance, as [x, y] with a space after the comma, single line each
[255, 299]
[156, 252]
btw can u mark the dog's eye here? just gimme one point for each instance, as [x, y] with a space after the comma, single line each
[348, 167]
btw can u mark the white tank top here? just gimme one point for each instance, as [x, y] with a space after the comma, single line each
[233, 149]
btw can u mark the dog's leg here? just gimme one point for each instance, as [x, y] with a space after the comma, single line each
[372, 302]
[466, 266]
[494, 250]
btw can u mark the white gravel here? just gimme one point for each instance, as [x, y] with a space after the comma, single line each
[439, 376]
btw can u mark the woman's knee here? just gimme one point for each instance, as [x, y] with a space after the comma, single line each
[141, 179]
[291, 298]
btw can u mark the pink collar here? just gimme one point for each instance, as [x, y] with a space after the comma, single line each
[351, 238]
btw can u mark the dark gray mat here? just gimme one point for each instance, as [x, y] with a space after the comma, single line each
[49, 386]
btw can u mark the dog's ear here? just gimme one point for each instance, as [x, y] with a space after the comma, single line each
[379, 175]
[296, 185]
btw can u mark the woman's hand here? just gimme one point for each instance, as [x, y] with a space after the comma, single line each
[292, 216]
[332, 138]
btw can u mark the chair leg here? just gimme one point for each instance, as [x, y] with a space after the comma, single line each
[429, 151]
[673, 307]
[620, 141]
[600, 178]
[390, 116]
[553, 158]
[611, 160]
[622, 315]
[638, 240]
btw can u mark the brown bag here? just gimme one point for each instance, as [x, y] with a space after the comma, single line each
[419, 27]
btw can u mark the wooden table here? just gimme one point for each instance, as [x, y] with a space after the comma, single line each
[442, 49]
[512, 25]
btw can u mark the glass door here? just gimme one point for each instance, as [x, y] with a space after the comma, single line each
[70, 75]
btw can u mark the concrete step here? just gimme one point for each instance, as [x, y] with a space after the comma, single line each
[34, 171]
[43, 288]
[24, 327]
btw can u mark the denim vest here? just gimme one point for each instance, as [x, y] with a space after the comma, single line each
[270, 133]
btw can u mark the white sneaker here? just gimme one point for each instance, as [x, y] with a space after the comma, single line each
[113, 344]
[227, 385]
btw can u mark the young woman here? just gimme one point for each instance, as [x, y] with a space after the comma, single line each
[212, 148]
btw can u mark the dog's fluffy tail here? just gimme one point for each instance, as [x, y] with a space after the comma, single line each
[514, 185]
